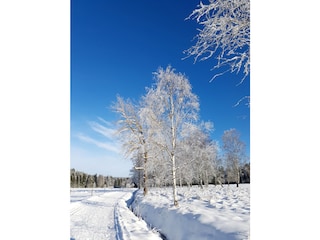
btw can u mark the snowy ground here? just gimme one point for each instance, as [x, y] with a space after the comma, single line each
[211, 213]
[215, 212]
[103, 214]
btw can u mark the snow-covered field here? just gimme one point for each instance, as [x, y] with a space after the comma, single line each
[210, 213]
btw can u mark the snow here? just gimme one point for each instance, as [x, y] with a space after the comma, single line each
[210, 213]
[103, 214]
[214, 212]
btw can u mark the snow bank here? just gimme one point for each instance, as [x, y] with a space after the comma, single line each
[128, 226]
[211, 213]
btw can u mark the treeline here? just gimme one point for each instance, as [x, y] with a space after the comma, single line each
[83, 180]
[219, 177]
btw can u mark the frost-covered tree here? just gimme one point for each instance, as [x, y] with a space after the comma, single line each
[234, 153]
[199, 151]
[132, 133]
[219, 177]
[135, 172]
[170, 104]
[184, 162]
[210, 159]
[224, 35]
[158, 168]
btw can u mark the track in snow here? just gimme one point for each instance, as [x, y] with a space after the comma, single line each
[103, 215]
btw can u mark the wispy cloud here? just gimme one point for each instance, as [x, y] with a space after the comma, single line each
[110, 146]
[105, 131]
[106, 122]
[108, 131]
[243, 117]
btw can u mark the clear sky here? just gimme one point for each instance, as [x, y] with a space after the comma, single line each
[115, 48]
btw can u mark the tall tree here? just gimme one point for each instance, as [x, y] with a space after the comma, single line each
[234, 153]
[170, 103]
[132, 133]
[225, 35]
[199, 151]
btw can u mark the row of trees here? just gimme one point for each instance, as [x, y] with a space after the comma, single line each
[198, 163]
[166, 140]
[83, 180]
[222, 176]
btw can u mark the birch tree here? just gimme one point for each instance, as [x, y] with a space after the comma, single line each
[170, 104]
[224, 35]
[201, 150]
[233, 153]
[158, 168]
[184, 162]
[132, 132]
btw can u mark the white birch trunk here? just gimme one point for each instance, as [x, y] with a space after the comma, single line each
[173, 159]
[175, 200]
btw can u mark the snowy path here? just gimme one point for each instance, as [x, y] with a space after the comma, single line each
[93, 218]
[104, 215]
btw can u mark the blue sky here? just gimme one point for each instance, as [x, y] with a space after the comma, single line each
[115, 48]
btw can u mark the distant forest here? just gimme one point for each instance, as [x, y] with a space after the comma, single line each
[84, 180]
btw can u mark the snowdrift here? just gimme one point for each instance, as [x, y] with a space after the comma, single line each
[211, 213]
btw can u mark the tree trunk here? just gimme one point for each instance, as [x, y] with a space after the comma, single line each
[180, 178]
[207, 178]
[175, 200]
[173, 138]
[200, 182]
[145, 176]
[238, 178]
